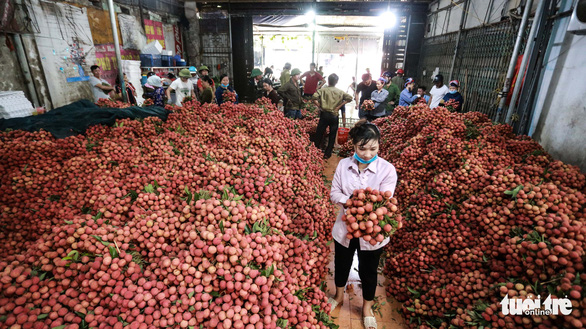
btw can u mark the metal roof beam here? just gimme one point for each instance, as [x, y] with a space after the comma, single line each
[344, 8]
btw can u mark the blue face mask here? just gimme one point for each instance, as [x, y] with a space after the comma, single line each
[453, 91]
[359, 159]
[224, 86]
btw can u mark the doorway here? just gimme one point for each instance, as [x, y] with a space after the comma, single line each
[345, 45]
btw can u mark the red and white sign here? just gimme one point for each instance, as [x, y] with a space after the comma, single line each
[178, 42]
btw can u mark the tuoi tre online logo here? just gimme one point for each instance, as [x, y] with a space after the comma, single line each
[535, 307]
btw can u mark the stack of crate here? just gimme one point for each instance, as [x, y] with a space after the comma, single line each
[14, 104]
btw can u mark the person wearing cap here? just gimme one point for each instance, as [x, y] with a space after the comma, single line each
[256, 83]
[329, 100]
[270, 93]
[292, 93]
[313, 81]
[182, 87]
[379, 97]
[398, 79]
[365, 89]
[394, 93]
[193, 78]
[454, 95]
[407, 97]
[159, 91]
[203, 70]
[438, 91]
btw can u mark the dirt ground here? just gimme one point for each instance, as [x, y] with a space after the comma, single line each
[349, 315]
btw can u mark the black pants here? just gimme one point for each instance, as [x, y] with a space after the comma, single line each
[367, 266]
[326, 119]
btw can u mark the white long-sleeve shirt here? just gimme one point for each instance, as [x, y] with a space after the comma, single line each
[380, 175]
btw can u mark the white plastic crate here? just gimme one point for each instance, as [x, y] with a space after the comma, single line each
[14, 104]
[153, 48]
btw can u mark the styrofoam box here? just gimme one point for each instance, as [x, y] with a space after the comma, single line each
[14, 104]
[153, 48]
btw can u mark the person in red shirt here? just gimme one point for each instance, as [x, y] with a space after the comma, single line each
[313, 81]
[204, 70]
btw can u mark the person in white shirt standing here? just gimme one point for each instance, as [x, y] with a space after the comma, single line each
[182, 86]
[438, 91]
[100, 87]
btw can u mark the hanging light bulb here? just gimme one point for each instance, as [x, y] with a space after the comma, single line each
[387, 20]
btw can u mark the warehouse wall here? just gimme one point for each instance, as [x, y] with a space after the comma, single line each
[10, 73]
[484, 50]
[561, 126]
[481, 65]
[71, 36]
[485, 47]
[445, 15]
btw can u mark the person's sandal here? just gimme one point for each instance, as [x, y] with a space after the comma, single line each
[333, 303]
[370, 321]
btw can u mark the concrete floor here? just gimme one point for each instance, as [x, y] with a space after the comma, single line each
[349, 314]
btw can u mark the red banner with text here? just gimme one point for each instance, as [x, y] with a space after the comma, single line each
[106, 59]
[154, 31]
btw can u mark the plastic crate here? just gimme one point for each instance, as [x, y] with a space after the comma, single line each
[167, 61]
[148, 60]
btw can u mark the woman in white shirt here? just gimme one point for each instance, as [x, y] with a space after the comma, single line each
[364, 169]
